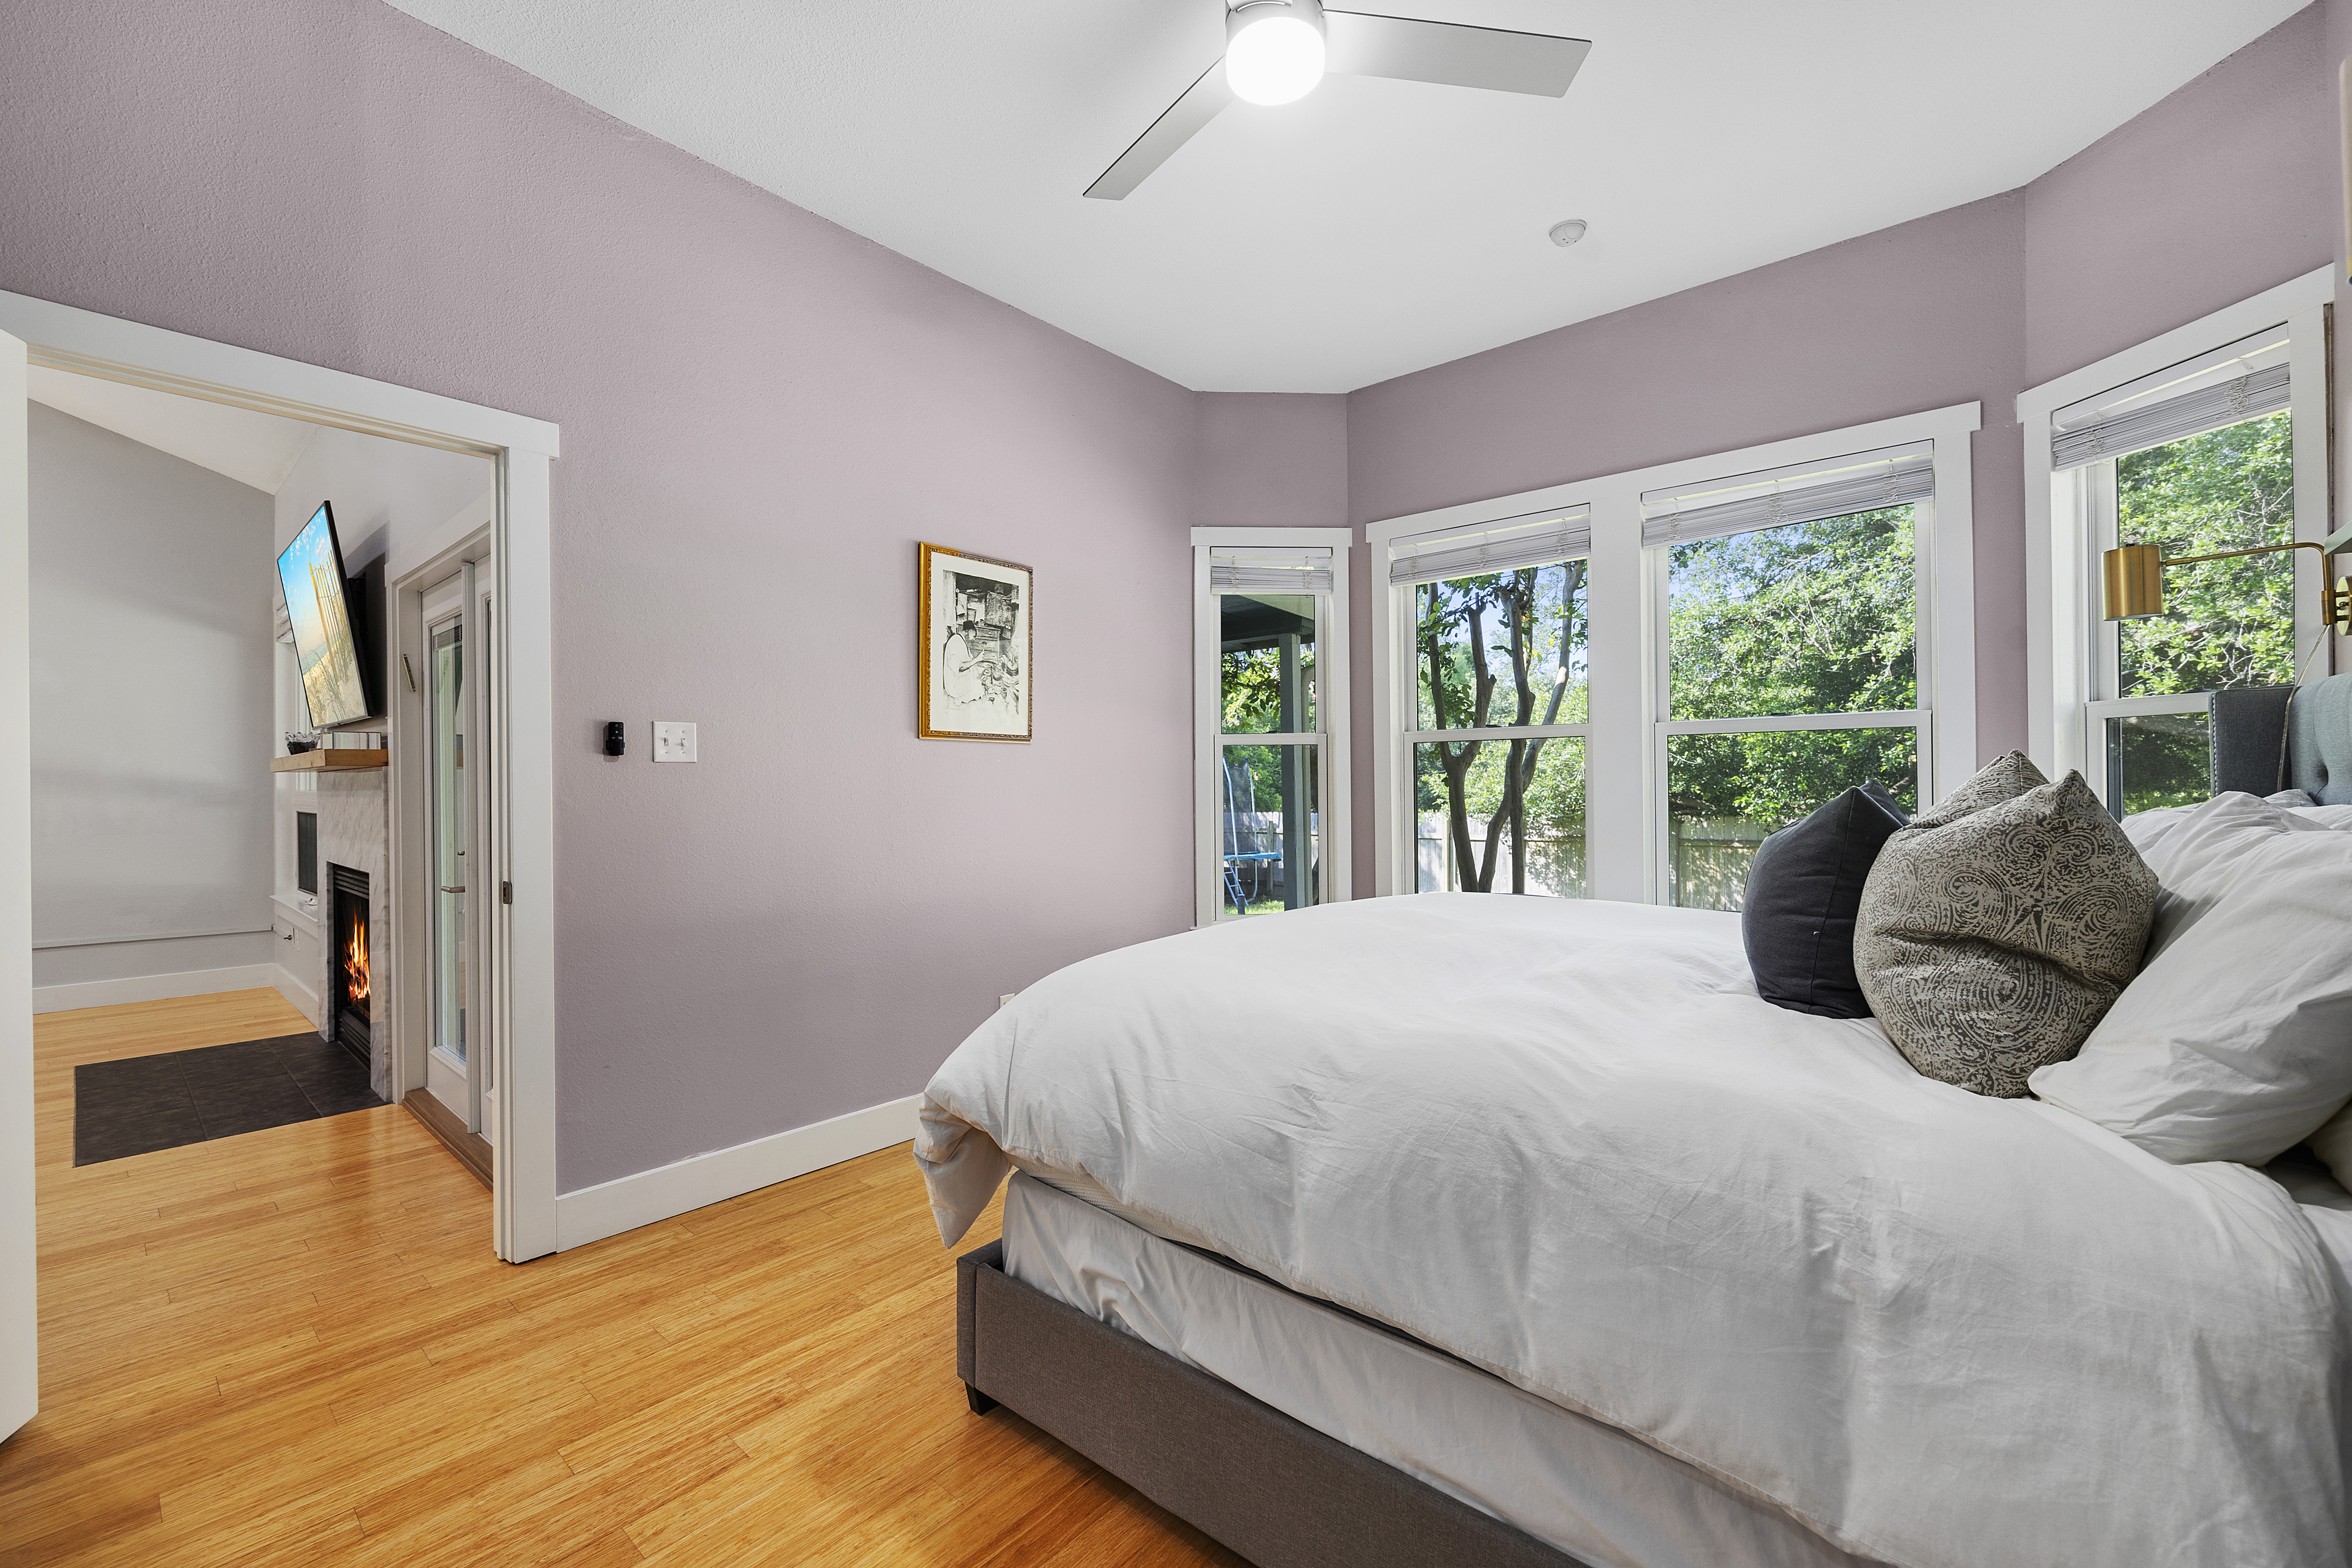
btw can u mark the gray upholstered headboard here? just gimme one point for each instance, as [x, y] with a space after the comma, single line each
[2318, 758]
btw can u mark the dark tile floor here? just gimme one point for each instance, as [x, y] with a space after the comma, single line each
[148, 1102]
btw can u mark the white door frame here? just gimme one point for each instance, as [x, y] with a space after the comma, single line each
[19, 1257]
[523, 1009]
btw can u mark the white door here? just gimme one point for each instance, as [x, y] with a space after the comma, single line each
[457, 1057]
[18, 1384]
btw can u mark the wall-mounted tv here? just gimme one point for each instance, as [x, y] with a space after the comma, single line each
[318, 603]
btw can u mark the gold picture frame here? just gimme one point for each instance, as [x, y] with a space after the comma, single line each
[975, 673]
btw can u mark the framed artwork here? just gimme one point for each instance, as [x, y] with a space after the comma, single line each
[973, 674]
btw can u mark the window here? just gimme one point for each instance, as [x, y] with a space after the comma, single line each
[1270, 756]
[306, 852]
[1498, 617]
[1615, 687]
[1792, 632]
[2213, 436]
[2196, 458]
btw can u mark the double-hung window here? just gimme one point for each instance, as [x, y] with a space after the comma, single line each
[1791, 634]
[2197, 458]
[1270, 728]
[1494, 621]
[2209, 438]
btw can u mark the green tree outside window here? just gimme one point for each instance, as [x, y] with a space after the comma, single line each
[1505, 650]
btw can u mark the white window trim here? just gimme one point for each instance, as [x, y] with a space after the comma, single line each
[1332, 712]
[1624, 781]
[2061, 590]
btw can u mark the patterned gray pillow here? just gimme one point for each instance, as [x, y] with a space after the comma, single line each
[1998, 928]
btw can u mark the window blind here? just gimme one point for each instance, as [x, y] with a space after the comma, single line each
[1538, 540]
[1295, 571]
[1890, 476]
[2243, 380]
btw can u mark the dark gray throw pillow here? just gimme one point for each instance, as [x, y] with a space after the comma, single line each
[1999, 928]
[1803, 888]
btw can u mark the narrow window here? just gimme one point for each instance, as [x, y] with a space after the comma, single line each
[1272, 735]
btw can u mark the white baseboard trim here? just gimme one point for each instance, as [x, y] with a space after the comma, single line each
[305, 999]
[594, 1213]
[165, 988]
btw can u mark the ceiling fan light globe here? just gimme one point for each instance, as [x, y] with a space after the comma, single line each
[1274, 59]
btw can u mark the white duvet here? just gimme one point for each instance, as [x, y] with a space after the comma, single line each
[1567, 1142]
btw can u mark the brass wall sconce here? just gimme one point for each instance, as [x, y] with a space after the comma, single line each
[2135, 580]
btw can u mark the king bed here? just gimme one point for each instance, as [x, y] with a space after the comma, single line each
[1456, 1228]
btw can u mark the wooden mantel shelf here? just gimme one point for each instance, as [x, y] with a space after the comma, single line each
[323, 760]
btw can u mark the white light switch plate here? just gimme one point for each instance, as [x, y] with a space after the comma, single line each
[673, 742]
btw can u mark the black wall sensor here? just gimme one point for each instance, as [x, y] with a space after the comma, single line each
[617, 736]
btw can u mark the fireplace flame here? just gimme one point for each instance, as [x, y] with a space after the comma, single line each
[356, 964]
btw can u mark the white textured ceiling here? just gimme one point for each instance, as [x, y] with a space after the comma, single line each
[1376, 227]
[251, 447]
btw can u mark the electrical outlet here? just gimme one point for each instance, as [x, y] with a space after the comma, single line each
[673, 742]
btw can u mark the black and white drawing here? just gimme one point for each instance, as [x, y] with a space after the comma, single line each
[975, 616]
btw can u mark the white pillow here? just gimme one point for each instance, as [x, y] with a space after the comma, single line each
[2333, 1145]
[2144, 829]
[2301, 803]
[2235, 1041]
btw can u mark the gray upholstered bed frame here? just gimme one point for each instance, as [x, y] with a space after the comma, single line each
[2263, 743]
[1268, 1486]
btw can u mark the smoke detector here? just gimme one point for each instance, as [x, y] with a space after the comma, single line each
[1567, 231]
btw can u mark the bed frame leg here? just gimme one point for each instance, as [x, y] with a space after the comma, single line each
[968, 1267]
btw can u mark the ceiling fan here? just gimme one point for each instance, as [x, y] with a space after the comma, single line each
[1276, 50]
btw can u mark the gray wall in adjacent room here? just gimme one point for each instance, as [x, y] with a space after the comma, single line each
[151, 707]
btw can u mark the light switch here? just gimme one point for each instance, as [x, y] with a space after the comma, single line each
[673, 742]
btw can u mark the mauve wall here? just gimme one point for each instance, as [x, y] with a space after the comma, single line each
[761, 414]
[2335, 46]
[2224, 188]
[1271, 460]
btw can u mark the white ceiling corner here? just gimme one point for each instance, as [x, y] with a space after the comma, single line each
[248, 446]
[1376, 227]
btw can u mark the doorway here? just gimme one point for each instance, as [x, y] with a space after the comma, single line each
[505, 976]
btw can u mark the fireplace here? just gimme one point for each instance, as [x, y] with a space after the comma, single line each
[348, 988]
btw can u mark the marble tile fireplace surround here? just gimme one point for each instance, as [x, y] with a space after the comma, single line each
[354, 831]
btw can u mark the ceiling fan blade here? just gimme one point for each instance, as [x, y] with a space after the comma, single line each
[1361, 44]
[1198, 106]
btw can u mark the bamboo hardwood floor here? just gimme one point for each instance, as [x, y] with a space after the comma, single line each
[294, 1346]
